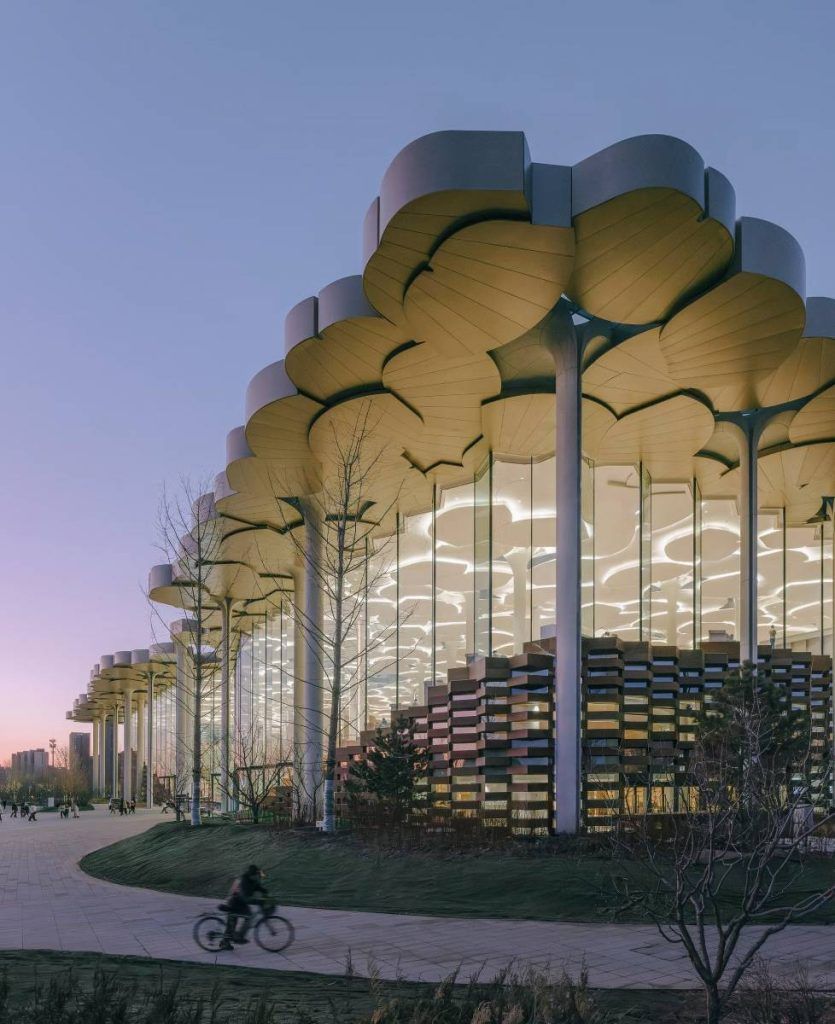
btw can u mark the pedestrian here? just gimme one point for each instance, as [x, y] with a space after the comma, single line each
[4, 803]
[122, 806]
[112, 805]
[33, 810]
[74, 809]
[14, 809]
[133, 807]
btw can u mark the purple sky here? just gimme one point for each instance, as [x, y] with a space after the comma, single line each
[174, 176]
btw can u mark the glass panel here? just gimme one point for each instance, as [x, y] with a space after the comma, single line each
[587, 547]
[720, 569]
[770, 582]
[243, 687]
[672, 564]
[696, 638]
[380, 670]
[544, 544]
[454, 578]
[803, 587]
[511, 556]
[617, 536]
[826, 588]
[482, 586]
[415, 575]
[645, 566]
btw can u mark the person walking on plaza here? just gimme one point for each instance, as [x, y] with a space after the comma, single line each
[33, 810]
[14, 809]
[74, 809]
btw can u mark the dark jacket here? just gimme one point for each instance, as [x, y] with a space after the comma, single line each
[248, 886]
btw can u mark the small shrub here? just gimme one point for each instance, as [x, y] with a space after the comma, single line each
[763, 1000]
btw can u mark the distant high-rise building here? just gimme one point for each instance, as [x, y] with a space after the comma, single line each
[80, 759]
[30, 762]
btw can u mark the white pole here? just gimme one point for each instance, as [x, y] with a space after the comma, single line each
[561, 337]
[114, 780]
[127, 775]
[225, 709]
[95, 743]
[149, 744]
[139, 766]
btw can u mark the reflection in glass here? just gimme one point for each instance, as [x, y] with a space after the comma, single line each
[543, 599]
[720, 568]
[617, 535]
[671, 564]
[511, 556]
[483, 572]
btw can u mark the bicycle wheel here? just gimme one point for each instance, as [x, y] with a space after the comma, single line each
[209, 931]
[274, 933]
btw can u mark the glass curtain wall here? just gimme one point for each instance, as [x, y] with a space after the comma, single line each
[473, 574]
[262, 690]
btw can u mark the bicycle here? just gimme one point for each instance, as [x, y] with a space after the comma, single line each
[271, 931]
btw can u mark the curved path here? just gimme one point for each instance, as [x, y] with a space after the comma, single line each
[47, 902]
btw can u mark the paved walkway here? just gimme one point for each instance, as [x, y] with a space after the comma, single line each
[47, 902]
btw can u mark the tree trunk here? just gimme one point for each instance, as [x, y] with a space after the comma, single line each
[713, 1005]
[329, 811]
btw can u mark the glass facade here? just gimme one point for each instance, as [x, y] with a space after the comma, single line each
[473, 575]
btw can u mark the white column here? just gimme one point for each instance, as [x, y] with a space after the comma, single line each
[94, 741]
[561, 337]
[225, 708]
[139, 767]
[102, 765]
[748, 430]
[313, 722]
[150, 751]
[127, 773]
[114, 780]
[183, 714]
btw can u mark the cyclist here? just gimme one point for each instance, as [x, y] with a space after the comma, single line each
[244, 891]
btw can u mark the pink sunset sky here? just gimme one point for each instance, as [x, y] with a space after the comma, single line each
[173, 177]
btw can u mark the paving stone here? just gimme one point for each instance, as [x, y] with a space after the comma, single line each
[47, 902]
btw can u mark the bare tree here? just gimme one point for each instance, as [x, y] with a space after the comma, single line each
[260, 772]
[190, 537]
[346, 555]
[733, 865]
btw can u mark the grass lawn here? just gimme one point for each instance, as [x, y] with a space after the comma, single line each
[292, 996]
[307, 869]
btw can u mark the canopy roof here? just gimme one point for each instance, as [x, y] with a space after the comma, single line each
[688, 316]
